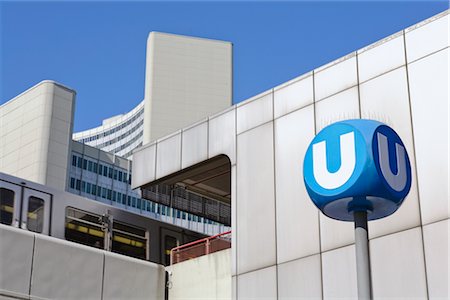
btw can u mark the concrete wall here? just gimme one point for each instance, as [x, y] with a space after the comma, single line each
[41, 267]
[281, 245]
[186, 80]
[35, 134]
[205, 277]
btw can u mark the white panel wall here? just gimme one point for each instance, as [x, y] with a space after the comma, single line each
[339, 273]
[428, 37]
[260, 284]
[429, 87]
[255, 199]
[437, 258]
[293, 95]
[254, 112]
[16, 256]
[397, 263]
[130, 278]
[168, 155]
[66, 270]
[297, 217]
[144, 172]
[194, 148]
[222, 135]
[42, 267]
[381, 57]
[300, 279]
[335, 77]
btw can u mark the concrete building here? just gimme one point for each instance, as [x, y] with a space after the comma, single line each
[282, 247]
[38, 143]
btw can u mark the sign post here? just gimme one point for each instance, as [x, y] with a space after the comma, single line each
[358, 170]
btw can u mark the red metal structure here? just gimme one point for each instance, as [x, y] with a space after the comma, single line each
[200, 247]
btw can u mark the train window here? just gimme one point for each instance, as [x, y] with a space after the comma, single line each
[84, 228]
[6, 206]
[129, 240]
[169, 243]
[35, 215]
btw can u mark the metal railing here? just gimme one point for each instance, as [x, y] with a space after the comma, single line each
[201, 247]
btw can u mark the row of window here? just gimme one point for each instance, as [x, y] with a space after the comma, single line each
[126, 155]
[113, 130]
[134, 139]
[146, 205]
[100, 169]
[122, 136]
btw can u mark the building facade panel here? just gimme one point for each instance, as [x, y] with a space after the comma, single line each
[293, 95]
[429, 78]
[255, 199]
[335, 77]
[255, 111]
[297, 217]
[381, 57]
[259, 284]
[300, 279]
[168, 155]
[397, 263]
[194, 144]
[339, 273]
[428, 36]
[222, 135]
[437, 258]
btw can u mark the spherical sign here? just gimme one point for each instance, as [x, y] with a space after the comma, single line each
[357, 165]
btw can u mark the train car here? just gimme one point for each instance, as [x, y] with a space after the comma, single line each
[38, 208]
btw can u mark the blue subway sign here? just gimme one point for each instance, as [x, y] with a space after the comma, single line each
[357, 165]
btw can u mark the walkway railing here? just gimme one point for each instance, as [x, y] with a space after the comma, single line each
[200, 247]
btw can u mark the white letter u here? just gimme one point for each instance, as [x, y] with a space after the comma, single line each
[348, 161]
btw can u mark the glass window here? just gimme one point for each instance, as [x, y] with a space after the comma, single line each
[84, 228]
[109, 194]
[99, 190]
[125, 176]
[72, 182]
[6, 206]
[95, 167]
[105, 171]
[79, 162]
[35, 216]
[114, 193]
[74, 160]
[110, 172]
[129, 240]
[124, 199]
[120, 175]
[103, 193]
[138, 203]
[94, 189]
[90, 166]
[84, 164]
[88, 187]
[100, 169]
[169, 243]
[115, 174]
[83, 186]
[78, 184]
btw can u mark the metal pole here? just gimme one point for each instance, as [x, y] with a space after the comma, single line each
[362, 256]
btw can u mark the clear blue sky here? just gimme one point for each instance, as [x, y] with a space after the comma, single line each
[99, 48]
